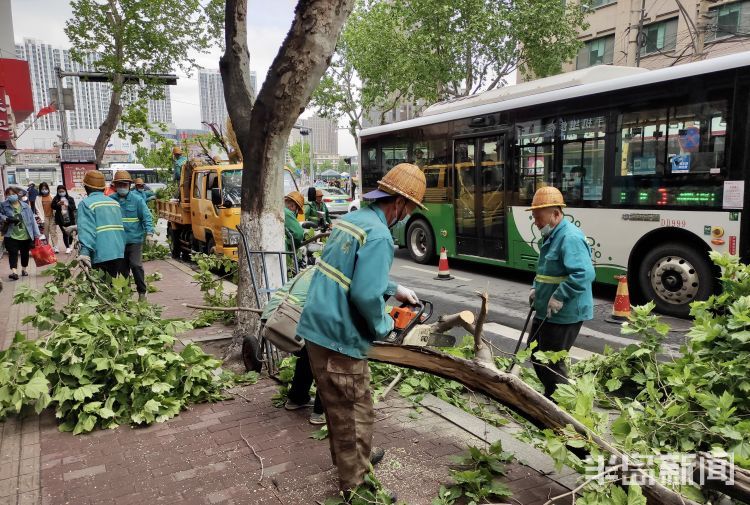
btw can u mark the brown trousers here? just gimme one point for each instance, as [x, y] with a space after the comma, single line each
[344, 386]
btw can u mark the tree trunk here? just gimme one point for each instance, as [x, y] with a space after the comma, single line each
[511, 392]
[263, 127]
[109, 125]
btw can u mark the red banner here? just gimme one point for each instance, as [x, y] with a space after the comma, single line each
[5, 127]
[73, 178]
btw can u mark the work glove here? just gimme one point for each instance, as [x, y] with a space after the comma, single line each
[554, 306]
[406, 295]
[84, 262]
[532, 297]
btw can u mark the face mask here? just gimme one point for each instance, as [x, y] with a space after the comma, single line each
[397, 220]
[25, 199]
[13, 198]
[140, 189]
[61, 193]
[123, 191]
[45, 192]
[545, 230]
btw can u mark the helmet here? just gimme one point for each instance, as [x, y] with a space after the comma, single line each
[176, 150]
[297, 198]
[406, 180]
[122, 176]
[139, 182]
[95, 180]
[548, 196]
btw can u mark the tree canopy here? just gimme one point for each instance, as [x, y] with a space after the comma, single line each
[140, 37]
[431, 50]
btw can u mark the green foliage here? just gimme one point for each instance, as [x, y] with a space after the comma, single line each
[477, 479]
[300, 153]
[155, 251]
[139, 37]
[213, 288]
[159, 158]
[106, 359]
[371, 492]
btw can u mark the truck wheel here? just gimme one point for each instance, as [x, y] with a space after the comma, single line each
[210, 245]
[673, 275]
[251, 355]
[421, 242]
[174, 242]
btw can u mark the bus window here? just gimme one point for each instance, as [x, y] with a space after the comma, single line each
[432, 157]
[371, 173]
[672, 156]
[393, 155]
[536, 164]
[582, 158]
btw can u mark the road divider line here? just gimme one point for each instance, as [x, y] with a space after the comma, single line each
[432, 272]
[575, 353]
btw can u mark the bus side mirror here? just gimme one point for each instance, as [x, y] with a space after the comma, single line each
[216, 197]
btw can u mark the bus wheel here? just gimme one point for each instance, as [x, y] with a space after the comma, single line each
[251, 356]
[673, 275]
[420, 241]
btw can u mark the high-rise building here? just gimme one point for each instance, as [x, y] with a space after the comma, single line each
[325, 137]
[91, 98]
[656, 34]
[211, 89]
[254, 82]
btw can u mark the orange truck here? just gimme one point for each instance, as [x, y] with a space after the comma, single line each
[206, 215]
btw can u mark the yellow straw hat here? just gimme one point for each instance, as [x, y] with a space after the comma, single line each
[407, 180]
[548, 196]
[122, 176]
[95, 180]
[297, 198]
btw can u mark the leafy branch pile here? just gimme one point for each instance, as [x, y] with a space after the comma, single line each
[155, 251]
[105, 360]
[213, 288]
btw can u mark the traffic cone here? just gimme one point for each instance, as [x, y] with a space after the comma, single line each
[444, 272]
[621, 307]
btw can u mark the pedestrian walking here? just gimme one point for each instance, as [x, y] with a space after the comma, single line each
[101, 235]
[345, 312]
[136, 218]
[32, 194]
[561, 295]
[64, 207]
[19, 229]
[50, 228]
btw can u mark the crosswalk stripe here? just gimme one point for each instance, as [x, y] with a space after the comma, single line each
[432, 272]
[509, 333]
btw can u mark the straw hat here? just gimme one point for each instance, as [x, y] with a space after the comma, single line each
[122, 176]
[95, 180]
[406, 180]
[176, 150]
[548, 196]
[297, 198]
[139, 182]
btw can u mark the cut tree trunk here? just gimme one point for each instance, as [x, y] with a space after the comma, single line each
[262, 128]
[511, 392]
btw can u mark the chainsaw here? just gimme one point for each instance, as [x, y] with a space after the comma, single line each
[409, 327]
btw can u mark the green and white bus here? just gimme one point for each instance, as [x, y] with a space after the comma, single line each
[653, 166]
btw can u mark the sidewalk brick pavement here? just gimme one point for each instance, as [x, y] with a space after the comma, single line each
[203, 456]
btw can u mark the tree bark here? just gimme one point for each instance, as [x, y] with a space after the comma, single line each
[109, 125]
[263, 127]
[511, 392]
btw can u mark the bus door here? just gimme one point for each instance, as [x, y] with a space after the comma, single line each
[480, 196]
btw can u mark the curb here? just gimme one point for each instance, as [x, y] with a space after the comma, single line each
[523, 452]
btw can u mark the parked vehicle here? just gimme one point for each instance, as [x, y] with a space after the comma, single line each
[337, 200]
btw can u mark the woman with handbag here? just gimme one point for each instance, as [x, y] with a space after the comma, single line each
[19, 229]
[64, 208]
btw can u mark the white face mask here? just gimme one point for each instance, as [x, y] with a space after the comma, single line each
[545, 230]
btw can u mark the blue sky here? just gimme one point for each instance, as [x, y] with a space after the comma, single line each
[268, 23]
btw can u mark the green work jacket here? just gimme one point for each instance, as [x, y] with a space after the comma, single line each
[311, 212]
[345, 307]
[292, 226]
[101, 234]
[299, 287]
[136, 217]
[565, 271]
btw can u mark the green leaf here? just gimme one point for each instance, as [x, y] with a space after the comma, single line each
[635, 495]
[37, 386]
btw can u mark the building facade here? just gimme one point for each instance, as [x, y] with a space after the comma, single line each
[325, 135]
[91, 98]
[662, 33]
[211, 91]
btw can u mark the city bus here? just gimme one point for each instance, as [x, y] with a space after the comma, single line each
[653, 165]
[136, 171]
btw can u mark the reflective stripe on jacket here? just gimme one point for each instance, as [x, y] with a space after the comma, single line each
[345, 306]
[136, 217]
[565, 271]
[101, 234]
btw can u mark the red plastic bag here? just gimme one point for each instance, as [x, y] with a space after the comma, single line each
[42, 253]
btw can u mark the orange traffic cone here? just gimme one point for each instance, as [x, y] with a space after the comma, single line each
[621, 307]
[444, 272]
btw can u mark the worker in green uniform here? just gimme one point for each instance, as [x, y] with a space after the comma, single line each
[293, 203]
[101, 234]
[345, 312]
[313, 207]
[561, 295]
